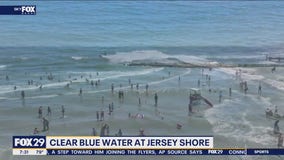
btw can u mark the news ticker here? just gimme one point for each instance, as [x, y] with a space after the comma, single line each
[216, 151]
[94, 145]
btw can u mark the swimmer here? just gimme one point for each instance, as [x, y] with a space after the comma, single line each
[230, 91]
[36, 131]
[273, 69]
[141, 132]
[15, 87]
[179, 126]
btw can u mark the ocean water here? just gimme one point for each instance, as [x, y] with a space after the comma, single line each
[95, 40]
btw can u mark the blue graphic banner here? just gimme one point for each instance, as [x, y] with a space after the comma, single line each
[18, 10]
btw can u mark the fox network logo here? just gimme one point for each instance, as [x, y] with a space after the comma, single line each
[28, 9]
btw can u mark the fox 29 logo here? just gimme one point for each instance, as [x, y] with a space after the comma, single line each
[29, 142]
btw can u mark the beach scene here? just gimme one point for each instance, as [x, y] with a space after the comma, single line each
[151, 68]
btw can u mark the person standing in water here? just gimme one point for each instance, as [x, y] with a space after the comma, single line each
[103, 100]
[139, 101]
[94, 132]
[80, 92]
[190, 108]
[275, 110]
[45, 124]
[119, 132]
[198, 83]
[112, 88]
[109, 109]
[48, 111]
[220, 96]
[102, 115]
[280, 141]
[98, 115]
[40, 112]
[259, 89]
[23, 94]
[156, 99]
[147, 87]
[276, 129]
[230, 91]
[62, 111]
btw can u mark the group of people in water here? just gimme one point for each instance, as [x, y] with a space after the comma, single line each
[100, 115]
[45, 121]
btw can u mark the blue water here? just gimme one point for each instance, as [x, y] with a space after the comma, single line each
[95, 40]
[150, 23]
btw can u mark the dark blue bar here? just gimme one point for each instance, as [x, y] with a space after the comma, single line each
[18, 10]
[29, 142]
[265, 151]
[166, 152]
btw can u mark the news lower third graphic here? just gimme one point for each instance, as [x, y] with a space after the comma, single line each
[95, 145]
[18, 10]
